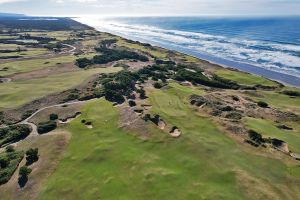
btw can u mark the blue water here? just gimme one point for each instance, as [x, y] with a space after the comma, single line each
[272, 44]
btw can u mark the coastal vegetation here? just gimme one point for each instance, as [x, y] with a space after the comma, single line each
[94, 114]
[13, 134]
[9, 162]
[109, 55]
[45, 127]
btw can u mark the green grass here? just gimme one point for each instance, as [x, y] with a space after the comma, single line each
[244, 78]
[29, 52]
[8, 37]
[59, 35]
[9, 46]
[14, 94]
[269, 129]
[276, 99]
[35, 64]
[108, 163]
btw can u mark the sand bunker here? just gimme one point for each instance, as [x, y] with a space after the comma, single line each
[146, 106]
[69, 119]
[175, 132]
[280, 145]
[161, 124]
[89, 125]
[295, 155]
[139, 112]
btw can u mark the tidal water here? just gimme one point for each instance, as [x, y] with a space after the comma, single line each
[265, 46]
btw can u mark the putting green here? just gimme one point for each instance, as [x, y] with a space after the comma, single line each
[268, 129]
[244, 78]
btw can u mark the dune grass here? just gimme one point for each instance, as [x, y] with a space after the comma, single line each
[153, 52]
[107, 163]
[17, 93]
[244, 78]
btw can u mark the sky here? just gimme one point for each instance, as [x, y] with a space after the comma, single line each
[151, 7]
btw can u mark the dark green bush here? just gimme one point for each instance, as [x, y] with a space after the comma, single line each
[158, 85]
[10, 148]
[256, 137]
[27, 114]
[291, 93]
[32, 155]
[131, 103]
[14, 133]
[45, 127]
[83, 62]
[262, 104]
[4, 162]
[142, 93]
[24, 171]
[9, 163]
[53, 116]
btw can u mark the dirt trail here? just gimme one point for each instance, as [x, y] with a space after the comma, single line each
[34, 131]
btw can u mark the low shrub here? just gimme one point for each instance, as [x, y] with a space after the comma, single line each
[256, 137]
[13, 133]
[291, 93]
[158, 85]
[45, 127]
[9, 162]
[53, 116]
[27, 114]
[131, 103]
[32, 155]
[262, 104]
[24, 171]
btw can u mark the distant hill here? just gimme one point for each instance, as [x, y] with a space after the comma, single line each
[11, 15]
[24, 22]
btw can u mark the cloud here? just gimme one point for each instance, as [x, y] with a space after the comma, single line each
[79, 1]
[153, 7]
[9, 1]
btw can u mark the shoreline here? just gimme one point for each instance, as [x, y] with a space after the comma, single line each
[285, 79]
[282, 78]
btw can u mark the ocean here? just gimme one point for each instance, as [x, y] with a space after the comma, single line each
[265, 46]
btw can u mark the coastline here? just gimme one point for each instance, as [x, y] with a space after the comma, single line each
[285, 79]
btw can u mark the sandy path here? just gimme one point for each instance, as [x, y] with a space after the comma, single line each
[34, 131]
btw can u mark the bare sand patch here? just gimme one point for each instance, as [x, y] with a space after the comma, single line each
[146, 106]
[161, 124]
[69, 119]
[89, 125]
[175, 132]
[132, 122]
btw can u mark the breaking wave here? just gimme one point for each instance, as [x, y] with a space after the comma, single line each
[281, 57]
